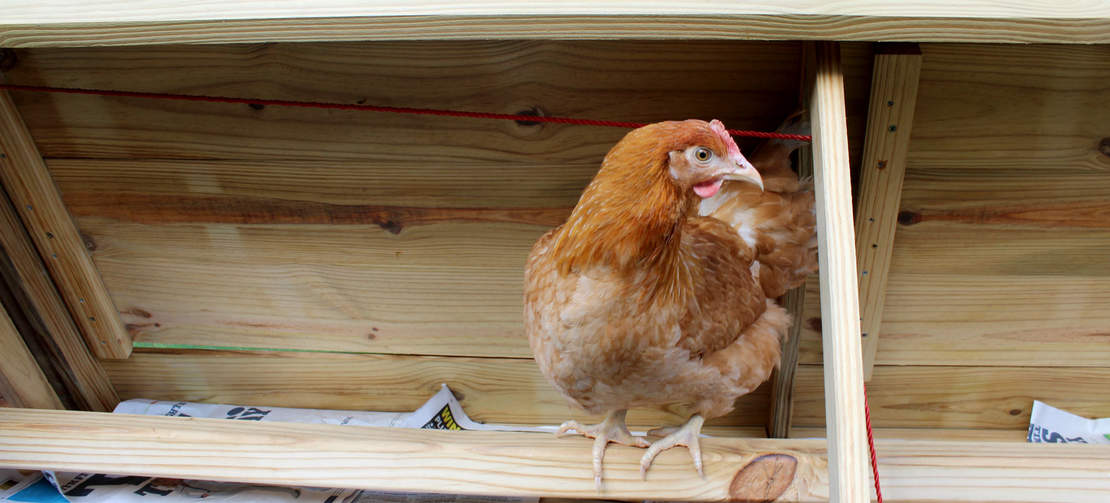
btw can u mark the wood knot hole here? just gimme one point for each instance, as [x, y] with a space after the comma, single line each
[763, 479]
[531, 112]
[908, 217]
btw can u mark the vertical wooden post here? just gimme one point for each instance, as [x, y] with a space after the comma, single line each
[39, 203]
[839, 302]
[889, 123]
[22, 383]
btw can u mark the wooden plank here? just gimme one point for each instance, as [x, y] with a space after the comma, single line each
[960, 319]
[22, 383]
[28, 183]
[840, 307]
[961, 397]
[79, 373]
[441, 289]
[604, 80]
[527, 464]
[503, 390]
[889, 125]
[943, 434]
[108, 22]
[979, 108]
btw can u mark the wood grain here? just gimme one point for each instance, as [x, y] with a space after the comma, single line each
[442, 289]
[889, 125]
[840, 306]
[22, 383]
[28, 183]
[973, 320]
[961, 397]
[82, 375]
[982, 106]
[503, 390]
[481, 462]
[1000, 259]
[658, 80]
[112, 22]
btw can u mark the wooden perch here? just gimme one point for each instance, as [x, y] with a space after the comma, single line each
[530, 464]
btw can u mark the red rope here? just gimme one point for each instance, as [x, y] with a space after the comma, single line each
[371, 108]
[871, 445]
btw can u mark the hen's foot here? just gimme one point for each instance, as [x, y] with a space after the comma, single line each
[686, 436]
[612, 429]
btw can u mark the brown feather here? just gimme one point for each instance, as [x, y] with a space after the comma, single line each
[636, 301]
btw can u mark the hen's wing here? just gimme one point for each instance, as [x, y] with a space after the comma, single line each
[779, 223]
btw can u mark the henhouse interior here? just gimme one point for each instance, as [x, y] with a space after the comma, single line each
[277, 206]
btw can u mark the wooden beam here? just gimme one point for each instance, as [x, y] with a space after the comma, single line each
[839, 301]
[530, 464]
[79, 373]
[32, 190]
[134, 22]
[889, 123]
[22, 383]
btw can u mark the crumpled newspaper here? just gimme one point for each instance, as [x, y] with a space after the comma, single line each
[1048, 424]
[441, 412]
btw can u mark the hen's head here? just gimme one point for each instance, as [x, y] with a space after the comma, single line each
[695, 156]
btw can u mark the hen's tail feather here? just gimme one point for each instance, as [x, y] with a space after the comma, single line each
[779, 223]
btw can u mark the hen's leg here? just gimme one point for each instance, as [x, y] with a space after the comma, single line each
[612, 429]
[687, 436]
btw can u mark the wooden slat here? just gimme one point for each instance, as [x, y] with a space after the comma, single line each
[30, 187]
[889, 124]
[81, 374]
[961, 397]
[603, 80]
[22, 383]
[108, 22]
[840, 307]
[503, 390]
[525, 464]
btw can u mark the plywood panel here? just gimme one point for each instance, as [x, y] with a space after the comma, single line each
[603, 80]
[961, 397]
[491, 389]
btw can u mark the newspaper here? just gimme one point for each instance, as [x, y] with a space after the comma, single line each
[1048, 424]
[441, 412]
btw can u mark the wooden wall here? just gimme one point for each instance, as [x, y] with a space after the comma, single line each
[354, 260]
[999, 289]
[347, 259]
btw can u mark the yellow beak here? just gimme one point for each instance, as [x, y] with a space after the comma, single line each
[744, 171]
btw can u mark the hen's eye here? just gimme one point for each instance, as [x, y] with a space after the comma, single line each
[703, 154]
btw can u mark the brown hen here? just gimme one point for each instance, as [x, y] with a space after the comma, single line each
[639, 301]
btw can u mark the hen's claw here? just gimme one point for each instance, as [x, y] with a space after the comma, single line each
[686, 436]
[612, 429]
